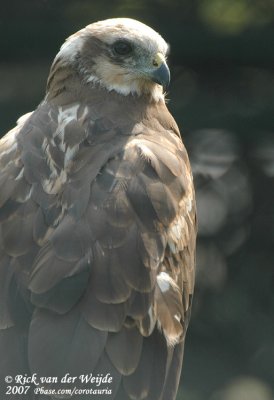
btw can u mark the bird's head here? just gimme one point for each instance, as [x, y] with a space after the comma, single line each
[118, 54]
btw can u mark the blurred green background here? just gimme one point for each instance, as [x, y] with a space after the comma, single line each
[222, 96]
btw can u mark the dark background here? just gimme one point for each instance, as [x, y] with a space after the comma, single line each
[222, 96]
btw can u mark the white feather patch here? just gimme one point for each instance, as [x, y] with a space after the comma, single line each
[71, 47]
[165, 282]
[127, 88]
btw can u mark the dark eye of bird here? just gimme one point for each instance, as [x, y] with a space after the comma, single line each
[122, 47]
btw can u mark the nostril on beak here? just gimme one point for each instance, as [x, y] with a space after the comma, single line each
[158, 60]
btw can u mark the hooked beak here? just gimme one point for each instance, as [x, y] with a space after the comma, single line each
[160, 73]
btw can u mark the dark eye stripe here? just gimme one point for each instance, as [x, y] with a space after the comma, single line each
[122, 47]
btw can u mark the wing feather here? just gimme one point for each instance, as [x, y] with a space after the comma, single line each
[109, 285]
[124, 349]
[147, 381]
[55, 348]
[93, 212]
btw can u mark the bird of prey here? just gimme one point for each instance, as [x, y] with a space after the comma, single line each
[97, 226]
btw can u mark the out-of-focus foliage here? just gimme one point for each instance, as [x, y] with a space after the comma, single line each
[245, 389]
[234, 16]
[222, 96]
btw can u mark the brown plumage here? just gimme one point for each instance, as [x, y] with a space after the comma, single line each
[98, 222]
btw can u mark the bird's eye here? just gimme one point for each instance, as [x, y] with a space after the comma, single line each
[122, 47]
